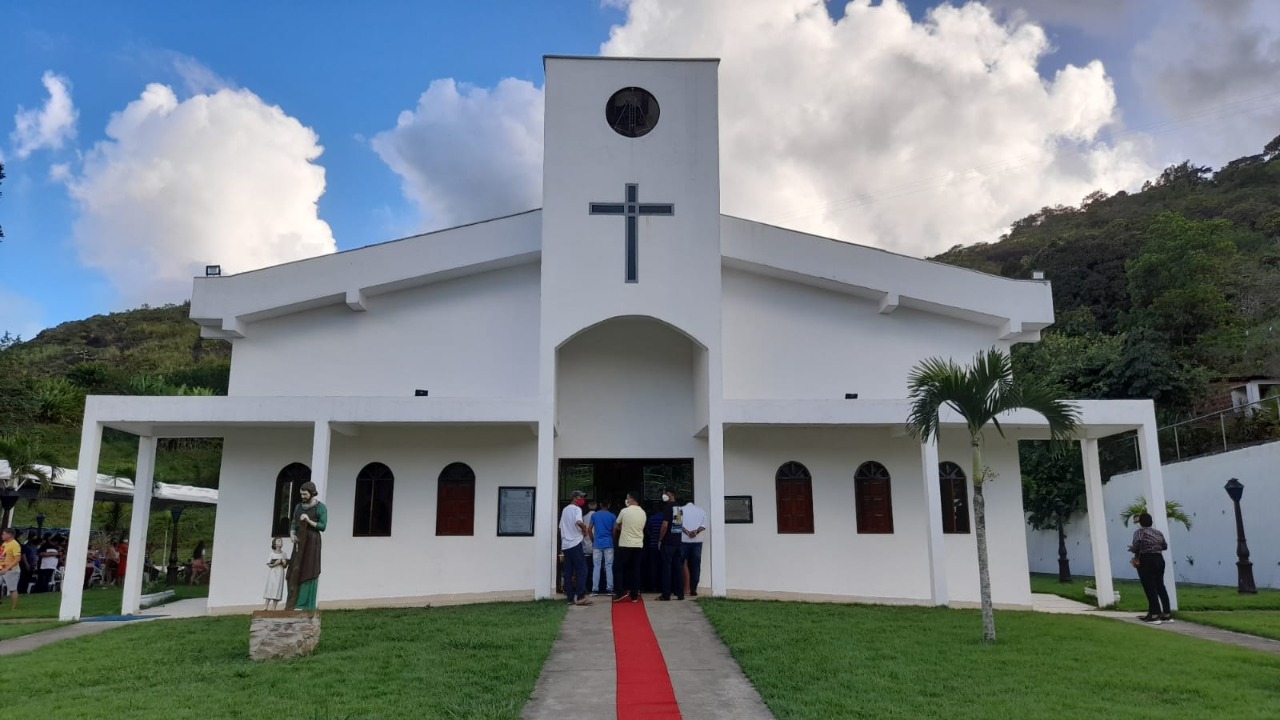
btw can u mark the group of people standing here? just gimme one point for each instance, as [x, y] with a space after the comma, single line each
[617, 545]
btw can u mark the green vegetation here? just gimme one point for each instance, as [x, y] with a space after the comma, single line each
[850, 661]
[8, 631]
[1190, 597]
[97, 602]
[1263, 623]
[478, 661]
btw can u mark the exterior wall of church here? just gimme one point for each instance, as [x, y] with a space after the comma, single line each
[785, 340]
[836, 561]
[475, 336]
[413, 565]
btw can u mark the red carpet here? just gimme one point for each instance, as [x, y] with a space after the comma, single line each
[644, 687]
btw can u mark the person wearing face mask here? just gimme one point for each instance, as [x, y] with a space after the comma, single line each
[572, 529]
[671, 571]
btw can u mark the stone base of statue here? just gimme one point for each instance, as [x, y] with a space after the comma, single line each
[283, 634]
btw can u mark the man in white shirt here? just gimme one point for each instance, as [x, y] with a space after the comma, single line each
[695, 523]
[575, 563]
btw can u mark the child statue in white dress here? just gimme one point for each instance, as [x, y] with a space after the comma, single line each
[276, 564]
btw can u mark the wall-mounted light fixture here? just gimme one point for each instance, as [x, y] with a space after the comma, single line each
[420, 393]
[212, 270]
[851, 396]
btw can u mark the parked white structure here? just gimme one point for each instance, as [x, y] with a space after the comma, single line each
[623, 336]
[1206, 554]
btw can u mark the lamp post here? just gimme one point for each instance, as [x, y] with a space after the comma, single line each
[1244, 568]
[176, 512]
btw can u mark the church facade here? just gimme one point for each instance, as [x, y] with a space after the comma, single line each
[446, 392]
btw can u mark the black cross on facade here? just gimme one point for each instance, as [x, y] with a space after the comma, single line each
[632, 209]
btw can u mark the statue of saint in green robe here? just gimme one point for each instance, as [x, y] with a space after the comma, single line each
[308, 520]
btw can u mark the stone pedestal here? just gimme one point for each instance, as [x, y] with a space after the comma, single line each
[281, 634]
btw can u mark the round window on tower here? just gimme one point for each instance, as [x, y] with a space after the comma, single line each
[632, 112]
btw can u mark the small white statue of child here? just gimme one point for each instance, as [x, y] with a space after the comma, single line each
[276, 564]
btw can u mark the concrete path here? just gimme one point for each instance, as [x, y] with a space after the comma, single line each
[1054, 604]
[194, 607]
[580, 677]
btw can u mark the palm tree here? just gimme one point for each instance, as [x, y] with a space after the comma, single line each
[1172, 510]
[980, 393]
[26, 458]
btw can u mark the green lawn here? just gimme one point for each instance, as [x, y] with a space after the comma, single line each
[478, 661]
[1263, 623]
[9, 631]
[1190, 597]
[96, 602]
[852, 661]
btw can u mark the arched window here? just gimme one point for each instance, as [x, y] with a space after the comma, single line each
[288, 484]
[795, 498]
[955, 498]
[375, 488]
[456, 500]
[874, 498]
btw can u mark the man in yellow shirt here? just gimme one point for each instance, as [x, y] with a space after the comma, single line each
[10, 564]
[628, 535]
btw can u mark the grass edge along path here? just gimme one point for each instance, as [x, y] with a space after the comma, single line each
[1260, 623]
[9, 631]
[868, 661]
[467, 661]
[1132, 599]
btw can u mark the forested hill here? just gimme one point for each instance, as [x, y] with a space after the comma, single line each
[1158, 293]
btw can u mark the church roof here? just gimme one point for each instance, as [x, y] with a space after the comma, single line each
[224, 305]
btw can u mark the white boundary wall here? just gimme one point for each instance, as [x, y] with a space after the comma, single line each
[1207, 553]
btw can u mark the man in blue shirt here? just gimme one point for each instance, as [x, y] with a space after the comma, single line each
[602, 522]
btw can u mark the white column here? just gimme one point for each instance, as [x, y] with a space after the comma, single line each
[715, 508]
[81, 515]
[1153, 490]
[320, 458]
[1097, 522]
[544, 515]
[933, 528]
[143, 480]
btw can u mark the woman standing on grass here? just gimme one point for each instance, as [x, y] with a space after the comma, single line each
[309, 520]
[1147, 548]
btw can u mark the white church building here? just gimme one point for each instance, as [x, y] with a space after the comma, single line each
[447, 391]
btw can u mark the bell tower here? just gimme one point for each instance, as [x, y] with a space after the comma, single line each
[631, 194]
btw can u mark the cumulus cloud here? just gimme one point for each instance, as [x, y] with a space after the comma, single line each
[912, 136]
[220, 178]
[50, 126]
[1212, 66]
[468, 153]
[872, 128]
[1099, 17]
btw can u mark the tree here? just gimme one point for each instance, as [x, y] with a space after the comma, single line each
[1052, 492]
[26, 458]
[980, 393]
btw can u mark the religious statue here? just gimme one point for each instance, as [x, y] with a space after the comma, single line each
[308, 520]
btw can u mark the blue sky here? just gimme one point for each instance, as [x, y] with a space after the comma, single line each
[82, 238]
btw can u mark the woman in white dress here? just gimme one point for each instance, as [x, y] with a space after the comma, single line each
[276, 564]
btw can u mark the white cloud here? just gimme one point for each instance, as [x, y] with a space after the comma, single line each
[912, 136]
[222, 178]
[50, 126]
[467, 153]
[20, 315]
[1212, 66]
[197, 78]
[1099, 17]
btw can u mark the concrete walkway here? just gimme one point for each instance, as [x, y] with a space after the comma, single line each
[580, 677]
[194, 607]
[1054, 604]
